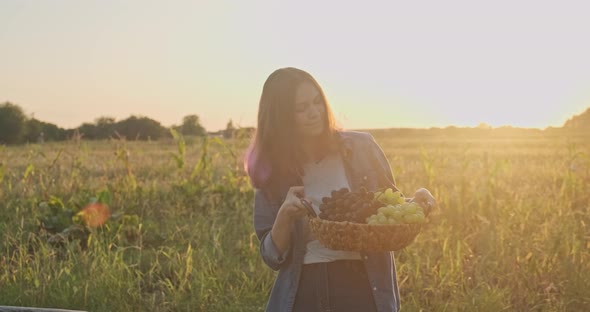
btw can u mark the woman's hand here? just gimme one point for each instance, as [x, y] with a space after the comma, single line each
[292, 208]
[424, 199]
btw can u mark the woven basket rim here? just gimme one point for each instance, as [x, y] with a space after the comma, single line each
[346, 235]
[399, 225]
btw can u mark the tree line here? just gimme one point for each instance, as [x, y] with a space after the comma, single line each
[17, 128]
[581, 121]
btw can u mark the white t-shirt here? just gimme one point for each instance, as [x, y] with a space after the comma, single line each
[320, 179]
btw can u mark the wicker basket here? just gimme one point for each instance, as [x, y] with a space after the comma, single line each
[363, 237]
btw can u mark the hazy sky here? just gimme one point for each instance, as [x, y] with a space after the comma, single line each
[382, 64]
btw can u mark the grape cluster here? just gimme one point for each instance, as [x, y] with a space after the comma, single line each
[398, 214]
[344, 205]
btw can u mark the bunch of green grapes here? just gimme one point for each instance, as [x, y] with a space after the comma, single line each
[398, 214]
[390, 197]
[345, 205]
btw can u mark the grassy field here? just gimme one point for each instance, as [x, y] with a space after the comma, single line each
[512, 234]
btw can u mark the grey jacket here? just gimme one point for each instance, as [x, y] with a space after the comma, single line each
[365, 165]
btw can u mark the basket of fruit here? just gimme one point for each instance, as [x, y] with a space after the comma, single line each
[367, 221]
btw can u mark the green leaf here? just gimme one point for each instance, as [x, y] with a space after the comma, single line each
[2, 171]
[28, 171]
[105, 197]
[174, 133]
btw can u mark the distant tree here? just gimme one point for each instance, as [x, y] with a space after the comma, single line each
[229, 130]
[579, 122]
[52, 132]
[34, 128]
[37, 131]
[88, 131]
[140, 128]
[105, 127]
[104, 120]
[72, 133]
[12, 123]
[191, 125]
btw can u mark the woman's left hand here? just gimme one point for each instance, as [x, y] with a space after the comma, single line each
[424, 198]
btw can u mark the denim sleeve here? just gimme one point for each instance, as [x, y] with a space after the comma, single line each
[381, 164]
[265, 214]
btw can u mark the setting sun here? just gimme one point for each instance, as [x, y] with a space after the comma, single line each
[393, 65]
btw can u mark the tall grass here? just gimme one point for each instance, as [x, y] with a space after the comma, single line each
[512, 233]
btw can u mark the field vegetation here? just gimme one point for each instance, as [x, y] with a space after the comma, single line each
[512, 232]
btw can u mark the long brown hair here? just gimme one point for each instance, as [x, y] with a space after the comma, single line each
[275, 156]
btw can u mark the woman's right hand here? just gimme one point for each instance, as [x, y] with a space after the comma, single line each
[292, 208]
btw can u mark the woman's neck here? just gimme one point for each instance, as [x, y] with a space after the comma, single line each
[313, 151]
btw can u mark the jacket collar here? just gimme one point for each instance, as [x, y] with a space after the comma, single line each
[344, 145]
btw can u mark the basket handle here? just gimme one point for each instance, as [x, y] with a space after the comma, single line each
[307, 205]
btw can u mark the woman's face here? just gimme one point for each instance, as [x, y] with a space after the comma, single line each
[309, 110]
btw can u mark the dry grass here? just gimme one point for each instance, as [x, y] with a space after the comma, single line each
[512, 233]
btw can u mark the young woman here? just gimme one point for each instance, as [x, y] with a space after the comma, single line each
[298, 153]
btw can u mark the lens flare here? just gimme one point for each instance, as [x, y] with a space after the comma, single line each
[95, 215]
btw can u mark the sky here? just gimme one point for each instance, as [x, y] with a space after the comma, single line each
[382, 64]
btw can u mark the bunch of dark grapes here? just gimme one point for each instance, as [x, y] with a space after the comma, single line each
[345, 205]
